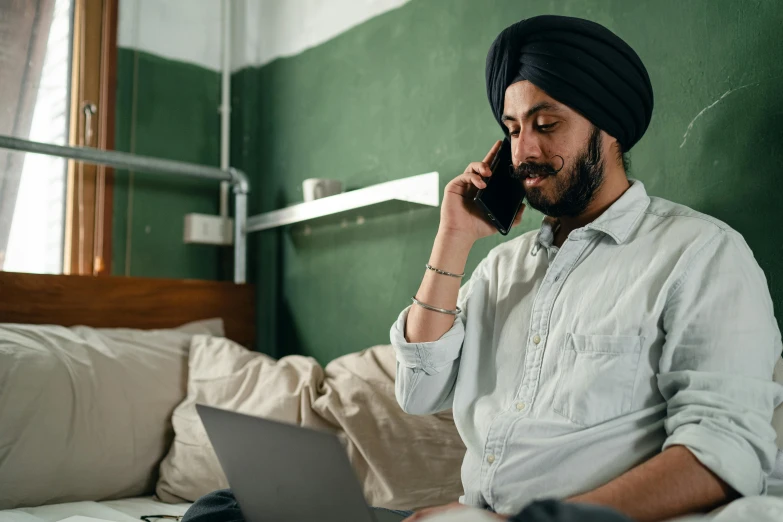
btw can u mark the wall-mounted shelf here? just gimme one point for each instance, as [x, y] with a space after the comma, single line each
[423, 189]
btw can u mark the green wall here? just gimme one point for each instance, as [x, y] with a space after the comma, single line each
[403, 94]
[165, 109]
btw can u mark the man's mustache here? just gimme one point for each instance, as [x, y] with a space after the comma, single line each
[523, 170]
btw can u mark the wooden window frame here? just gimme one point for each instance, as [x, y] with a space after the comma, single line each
[89, 196]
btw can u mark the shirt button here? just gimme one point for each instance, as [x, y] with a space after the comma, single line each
[520, 406]
[491, 459]
[537, 339]
[557, 278]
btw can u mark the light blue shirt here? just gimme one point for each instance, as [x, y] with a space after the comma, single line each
[652, 326]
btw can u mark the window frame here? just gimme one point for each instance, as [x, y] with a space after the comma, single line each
[87, 246]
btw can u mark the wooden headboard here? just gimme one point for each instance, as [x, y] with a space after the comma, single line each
[129, 302]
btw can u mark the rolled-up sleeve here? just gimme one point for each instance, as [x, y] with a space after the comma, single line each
[722, 343]
[427, 372]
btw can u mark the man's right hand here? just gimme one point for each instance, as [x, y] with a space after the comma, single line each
[460, 216]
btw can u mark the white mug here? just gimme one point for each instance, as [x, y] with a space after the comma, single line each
[316, 188]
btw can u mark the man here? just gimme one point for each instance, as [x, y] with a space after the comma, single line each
[620, 356]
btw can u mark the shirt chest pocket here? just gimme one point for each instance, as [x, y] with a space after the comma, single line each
[596, 375]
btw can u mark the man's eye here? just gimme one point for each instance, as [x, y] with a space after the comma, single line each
[547, 128]
[514, 133]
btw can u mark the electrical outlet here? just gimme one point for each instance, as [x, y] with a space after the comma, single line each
[205, 229]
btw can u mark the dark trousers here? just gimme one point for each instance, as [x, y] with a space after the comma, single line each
[221, 506]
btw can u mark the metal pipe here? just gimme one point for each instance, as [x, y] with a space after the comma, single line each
[123, 160]
[225, 106]
[240, 235]
[239, 180]
[120, 160]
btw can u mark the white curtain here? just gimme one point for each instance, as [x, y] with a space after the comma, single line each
[28, 76]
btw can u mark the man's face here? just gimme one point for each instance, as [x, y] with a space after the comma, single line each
[543, 131]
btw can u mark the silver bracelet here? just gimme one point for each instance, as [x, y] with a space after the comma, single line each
[435, 308]
[438, 270]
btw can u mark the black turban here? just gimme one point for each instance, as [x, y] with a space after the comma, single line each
[579, 63]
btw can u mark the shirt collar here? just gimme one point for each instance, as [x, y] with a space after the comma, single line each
[617, 221]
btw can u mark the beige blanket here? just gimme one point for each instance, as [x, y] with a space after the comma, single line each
[403, 461]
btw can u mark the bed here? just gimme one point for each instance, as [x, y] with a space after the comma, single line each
[127, 303]
[124, 510]
[99, 377]
[111, 302]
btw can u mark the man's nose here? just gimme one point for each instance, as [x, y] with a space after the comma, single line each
[525, 149]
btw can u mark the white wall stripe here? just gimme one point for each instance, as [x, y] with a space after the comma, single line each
[182, 30]
[189, 30]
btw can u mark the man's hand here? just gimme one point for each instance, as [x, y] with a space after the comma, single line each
[428, 512]
[460, 216]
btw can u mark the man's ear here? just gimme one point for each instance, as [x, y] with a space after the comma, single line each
[613, 146]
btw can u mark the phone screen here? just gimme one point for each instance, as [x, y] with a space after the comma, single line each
[502, 198]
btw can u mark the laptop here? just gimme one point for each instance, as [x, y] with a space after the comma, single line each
[285, 473]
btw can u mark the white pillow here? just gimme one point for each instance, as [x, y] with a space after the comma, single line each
[84, 412]
[402, 461]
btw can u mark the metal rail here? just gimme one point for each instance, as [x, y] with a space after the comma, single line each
[124, 160]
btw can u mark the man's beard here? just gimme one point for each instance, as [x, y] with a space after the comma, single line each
[574, 190]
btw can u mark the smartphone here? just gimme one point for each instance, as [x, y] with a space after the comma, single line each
[502, 198]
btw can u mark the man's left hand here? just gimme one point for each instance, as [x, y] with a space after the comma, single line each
[429, 512]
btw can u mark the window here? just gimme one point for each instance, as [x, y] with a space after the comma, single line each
[56, 86]
[34, 97]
